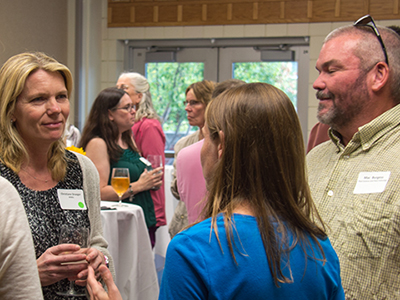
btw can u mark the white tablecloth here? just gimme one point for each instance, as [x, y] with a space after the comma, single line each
[129, 244]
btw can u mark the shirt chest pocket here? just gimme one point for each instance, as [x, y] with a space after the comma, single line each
[367, 228]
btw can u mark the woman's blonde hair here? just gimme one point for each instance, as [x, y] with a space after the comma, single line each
[145, 108]
[262, 167]
[13, 76]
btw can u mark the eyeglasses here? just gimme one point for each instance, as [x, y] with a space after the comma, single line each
[368, 21]
[128, 108]
[191, 102]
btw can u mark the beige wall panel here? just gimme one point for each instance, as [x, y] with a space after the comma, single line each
[39, 25]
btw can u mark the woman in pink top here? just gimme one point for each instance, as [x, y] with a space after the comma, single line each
[148, 134]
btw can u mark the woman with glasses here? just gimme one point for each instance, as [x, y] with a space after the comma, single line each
[198, 95]
[107, 140]
[148, 135]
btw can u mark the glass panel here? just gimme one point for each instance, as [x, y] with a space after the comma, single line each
[283, 75]
[168, 83]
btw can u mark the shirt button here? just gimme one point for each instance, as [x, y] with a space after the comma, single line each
[330, 193]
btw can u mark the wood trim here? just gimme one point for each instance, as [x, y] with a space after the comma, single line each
[337, 8]
[255, 11]
[134, 13]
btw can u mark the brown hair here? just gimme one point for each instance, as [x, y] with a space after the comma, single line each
[13, 76]
[98, 124]
[263, 167]
[202, 90]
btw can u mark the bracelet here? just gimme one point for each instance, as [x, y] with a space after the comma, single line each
[130, 189]
[131, 196]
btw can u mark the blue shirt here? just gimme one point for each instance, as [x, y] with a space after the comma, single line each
[197, 268]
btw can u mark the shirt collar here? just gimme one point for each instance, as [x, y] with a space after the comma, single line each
[368, 134]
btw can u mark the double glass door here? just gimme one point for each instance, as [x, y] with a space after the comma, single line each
[170, 70]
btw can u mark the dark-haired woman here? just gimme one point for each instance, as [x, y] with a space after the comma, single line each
[262, 237]
[107, 140]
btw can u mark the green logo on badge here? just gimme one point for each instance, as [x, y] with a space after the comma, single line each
[81, 205]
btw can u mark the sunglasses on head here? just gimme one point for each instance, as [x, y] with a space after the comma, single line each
[369, 22]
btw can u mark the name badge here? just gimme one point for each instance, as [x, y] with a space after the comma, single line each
[145, 161]
[71, 199]
[371, 182]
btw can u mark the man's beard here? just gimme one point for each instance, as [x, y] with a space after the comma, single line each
[338, 116]
[329, 116]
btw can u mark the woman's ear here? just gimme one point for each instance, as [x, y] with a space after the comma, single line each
[221, 144]
[110, 116]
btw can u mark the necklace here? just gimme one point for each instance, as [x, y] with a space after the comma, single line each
[45, 181]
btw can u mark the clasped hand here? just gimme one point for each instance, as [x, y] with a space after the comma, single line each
[68, 261]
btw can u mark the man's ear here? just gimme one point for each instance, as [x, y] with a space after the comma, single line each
[221, 145]
[380, 76]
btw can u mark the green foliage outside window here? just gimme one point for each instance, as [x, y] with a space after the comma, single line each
[283, 75]
[168, 83]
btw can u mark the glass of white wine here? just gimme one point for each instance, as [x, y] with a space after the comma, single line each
[79, 236]
[120, 182]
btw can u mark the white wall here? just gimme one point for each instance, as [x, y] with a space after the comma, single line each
[113, 55]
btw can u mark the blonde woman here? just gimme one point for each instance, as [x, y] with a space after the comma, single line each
[34, 107]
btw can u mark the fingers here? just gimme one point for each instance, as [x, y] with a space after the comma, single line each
[113, 291]
[95, 289]
[93, 286]
[56, 250]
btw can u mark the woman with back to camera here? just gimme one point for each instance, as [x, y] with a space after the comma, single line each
[34, 107]
[107, 140]
[262, 236]
[148, 134]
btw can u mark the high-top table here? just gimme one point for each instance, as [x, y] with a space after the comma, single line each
[129, 244]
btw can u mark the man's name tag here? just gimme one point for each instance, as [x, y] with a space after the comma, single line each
[71, 199]
[371, 182]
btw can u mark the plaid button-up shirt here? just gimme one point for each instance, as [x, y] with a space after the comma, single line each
[364, 227]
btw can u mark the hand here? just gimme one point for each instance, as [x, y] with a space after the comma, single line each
[51, 265]
[95, 259]
[150, 179]
[95, 288]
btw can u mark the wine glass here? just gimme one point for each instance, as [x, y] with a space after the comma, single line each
[120, 182]
[156, 162]
[79, 236]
